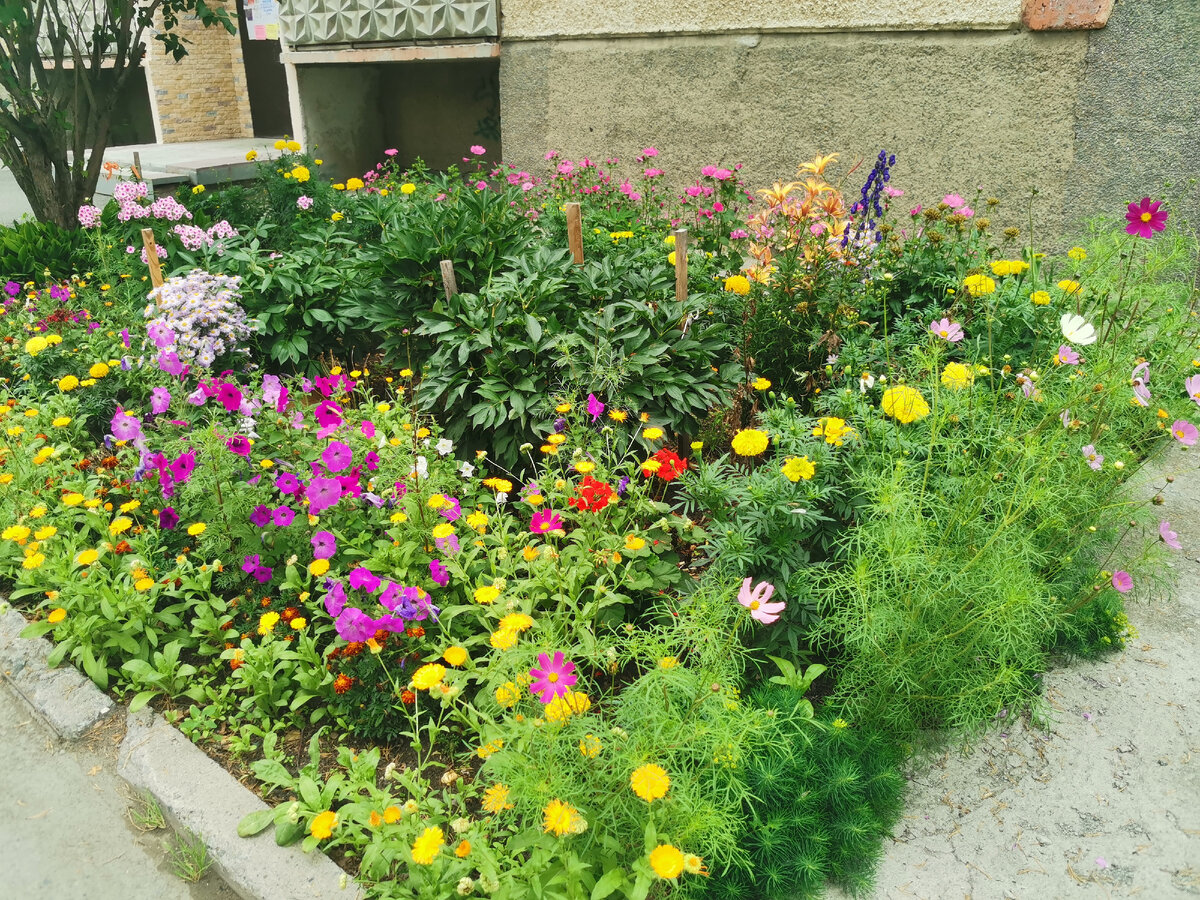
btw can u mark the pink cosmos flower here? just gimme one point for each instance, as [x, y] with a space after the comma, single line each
[1145, 218]
[1185, 432]
[1066, 356]
[953, 200]
[545, 520]
[947, 330]
[1123, 582]
[1065, 418]
[1192, 386]
[1094, 459]
[755, 599]
[555, 677]
[1169, 537]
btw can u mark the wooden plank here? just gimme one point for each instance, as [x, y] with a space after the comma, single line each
[681, 275]
[151, 246]
[575, 232]
[449, 284]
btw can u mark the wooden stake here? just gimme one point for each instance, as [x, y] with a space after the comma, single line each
[151, 246]
[681, 287]
[137, 165]
[448, 282]
[575, 232]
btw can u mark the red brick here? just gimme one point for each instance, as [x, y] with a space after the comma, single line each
[1066, 15]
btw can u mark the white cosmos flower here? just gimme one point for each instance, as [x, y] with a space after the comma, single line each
[1077, 330]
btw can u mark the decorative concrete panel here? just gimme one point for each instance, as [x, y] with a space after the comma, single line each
[323, 22]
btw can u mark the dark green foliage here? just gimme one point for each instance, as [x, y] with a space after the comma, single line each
[1097, 628]
[826, 799]
[29, 249]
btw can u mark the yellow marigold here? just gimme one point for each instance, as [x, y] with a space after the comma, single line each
[666, 861]
[652, 434]
[633, 542]
[956, 376]
[738, 284]
[650, 782]
[1040, 298]
[36, 345]
[354, 184]
[120, 525]
[761, 384]
[34, 560]
[98, 370]
[407, 188]
[68, 383]
[516, 622]
[1003, 267]
[1077, 253]
[904, 403]
[560, 709]
[323, 824]
[301, 174]
[559, 818]
[267, 622]
[590, 746]
[87, 557]
[503, 639]
[428, 676]
[486, 594]
[798, 467]
[428, 845]
[196, 529]
[61, 421]
[456, 656]
[508, 694]
[251, 156]
[56, 616]
[979, 285]
[318, 567]
[750, 442]
[1067, 286]
[298, 623]
[668, 662]
[495, 799]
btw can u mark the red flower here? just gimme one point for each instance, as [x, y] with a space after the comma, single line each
[593, 495]
[670, 465]
[1145, 218]
[342, 683]
[415, 631]
[408, 697]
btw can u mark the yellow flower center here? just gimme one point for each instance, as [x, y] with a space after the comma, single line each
[552, 677]
[754, 604]
[1146, 217]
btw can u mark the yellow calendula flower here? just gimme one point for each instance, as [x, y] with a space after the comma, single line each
[750, 442]
[428, 676]
[559, 818]
[267, 622]
[650, 782]
[666, 861]
[443, 530]
[120, 525]
[1040, 298]
[61, 421]
[323, 824]
[556, 439]
[796, 468]
[455, 656]
[478, 521]
[495, 799]
[486, 594]
[45, 532]
[979, 285]
[56, 616]
[904, 403]
[531, 553]
[87, 557]
[1067, 286]
[34, 560]
[508, 694]
[633, 542]
[318, 567]
[957, 377]
[584, 467]
[517, 622]
[144, 584]
[130, 505]
[398, 518]
[503, 639]
[500, 485]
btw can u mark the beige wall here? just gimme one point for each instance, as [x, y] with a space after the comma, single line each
[202, 97]
[531, 19]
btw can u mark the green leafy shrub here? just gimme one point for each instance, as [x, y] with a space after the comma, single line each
[29, 249]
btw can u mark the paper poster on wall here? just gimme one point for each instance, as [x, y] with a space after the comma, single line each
[262, 19]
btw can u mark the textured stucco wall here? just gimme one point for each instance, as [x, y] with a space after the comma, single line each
[523, 19]
[959, 110]
[1138, 110]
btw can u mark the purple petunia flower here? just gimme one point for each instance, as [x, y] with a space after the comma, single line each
[229, 396]
[168, 519]
[183, 466]
[594, 407]
[371, 460]
[287, 483]
[160, 400]
[355, 625]
[323, 493]
[324, 545]
[169, 362]
[328, 414]
[337, 456]
[283, 516]
[261, 516]
[451, 509]
[239, 445]
[125, 426]
[161, 334]
[335, 599]
[438, 572]
[363, 579]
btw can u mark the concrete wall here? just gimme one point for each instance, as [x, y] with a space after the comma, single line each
[341, 113]
[530, 19]
[1091, 119]
[202, 97]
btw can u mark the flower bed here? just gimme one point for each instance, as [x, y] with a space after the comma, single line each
[566, 546]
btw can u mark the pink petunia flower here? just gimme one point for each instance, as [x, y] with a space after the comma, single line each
[1145, 218]
[555, 677]
[755, 599]
[947, 330]
[1185, 432]
[1169, 537]
[1123, 582]
[594, 407]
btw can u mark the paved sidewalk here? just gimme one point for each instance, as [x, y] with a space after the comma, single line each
[64, 827]
[1105, 803]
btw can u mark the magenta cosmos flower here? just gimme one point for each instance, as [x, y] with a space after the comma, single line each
[1145, 218]
[555, 677]
[1169, 537]
[947, 330]
[545, 520]
[755, 599]
[1185, 432]
[1123, 582]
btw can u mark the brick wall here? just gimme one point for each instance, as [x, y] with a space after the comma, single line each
[202, 97]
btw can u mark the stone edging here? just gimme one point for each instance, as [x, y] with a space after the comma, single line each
[195, 793]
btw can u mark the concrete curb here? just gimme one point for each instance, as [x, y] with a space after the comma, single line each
[195, 792]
